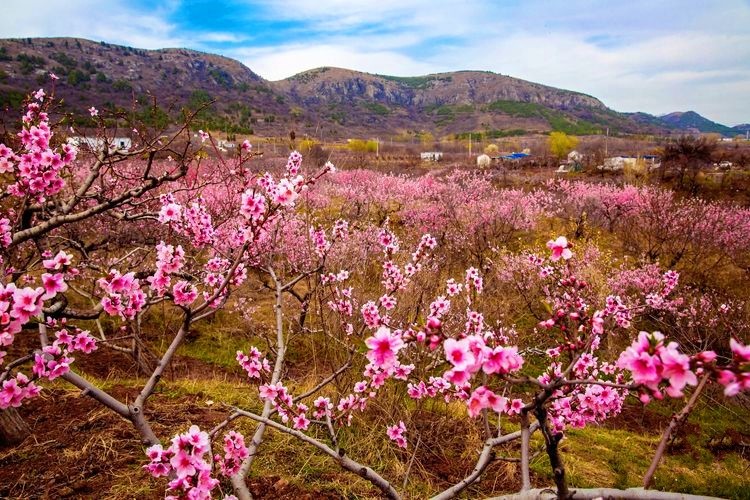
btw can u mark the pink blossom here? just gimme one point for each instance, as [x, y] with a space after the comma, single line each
[740, 352]
[396, 433]
[284, 193]
[301, 422]
[58, 262]
[253, 205]
[560, 248]
[458, 354]
[53, 284]
[502, 360]
[184, 293]
[383, 347]
[27, 302]
[676, 368]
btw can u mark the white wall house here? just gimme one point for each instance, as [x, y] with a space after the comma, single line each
[97, 143]
[431, 156]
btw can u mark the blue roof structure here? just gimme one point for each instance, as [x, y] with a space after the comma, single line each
[515, 156]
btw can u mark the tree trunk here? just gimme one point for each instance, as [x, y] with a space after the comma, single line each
[13, 429]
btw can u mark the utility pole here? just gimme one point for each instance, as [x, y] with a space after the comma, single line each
[606, 144]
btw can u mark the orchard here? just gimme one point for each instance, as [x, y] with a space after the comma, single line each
[364, 323]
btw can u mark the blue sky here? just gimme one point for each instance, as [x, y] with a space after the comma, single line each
[654, 56]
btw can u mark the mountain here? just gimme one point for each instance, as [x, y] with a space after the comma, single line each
[327, 102]
[692, 120]
[106, 75]
[741, 129]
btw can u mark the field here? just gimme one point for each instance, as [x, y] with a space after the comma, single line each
[185, 320]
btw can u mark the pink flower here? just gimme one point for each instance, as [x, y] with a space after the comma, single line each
[284, 193]
[84, 342]
[383, 346]
[515, 407]
[53, 284]
[483, 398]
[203, 135]
[58, 262]
[457, 377]
[253, 205]
[170, 212]
[396, 433]
[27, 302]
[301, 422]
[676, 370]
[645, 369]
[458, 353]
[740, 352]
[182, 463]
[93, 111]
[502, 360]
[559, 248]
[184, 293]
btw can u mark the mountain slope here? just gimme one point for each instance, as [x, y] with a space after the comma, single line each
[102, 75]
[692, 120]
[449, 102]
[328, 102]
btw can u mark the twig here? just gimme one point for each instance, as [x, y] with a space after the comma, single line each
[674, 423]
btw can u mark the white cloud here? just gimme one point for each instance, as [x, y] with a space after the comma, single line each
[636, 55]
[113, 22]
[279, 63]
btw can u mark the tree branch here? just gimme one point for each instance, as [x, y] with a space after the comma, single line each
[343, 460]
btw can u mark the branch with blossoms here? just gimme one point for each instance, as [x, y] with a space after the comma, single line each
[211, 251]
[575, 390]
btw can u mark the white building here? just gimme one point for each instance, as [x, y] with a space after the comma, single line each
[97, 143]
[431, 156]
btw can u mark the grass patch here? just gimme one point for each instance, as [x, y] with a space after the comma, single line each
[417, 82]
[377, 108]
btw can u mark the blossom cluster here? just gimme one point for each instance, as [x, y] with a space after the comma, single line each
[54, 360]
[235, 452]
[252, 363]
[186, 459]
[285, 406]
[396, 433]
[124, 295]
[193, 221]
[38, 168]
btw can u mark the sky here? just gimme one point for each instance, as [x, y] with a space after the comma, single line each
[653, 56]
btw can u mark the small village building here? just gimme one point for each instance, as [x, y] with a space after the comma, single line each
[97, 143]
[121, 143]
[431, 156]
[515, 156]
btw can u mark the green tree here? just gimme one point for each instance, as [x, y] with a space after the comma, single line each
[560, 144]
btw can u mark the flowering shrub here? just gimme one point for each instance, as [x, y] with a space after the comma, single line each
[407, 279]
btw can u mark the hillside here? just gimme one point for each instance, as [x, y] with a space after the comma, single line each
[448, 102]
[692, 120]
[324, 102]
[106, 75]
